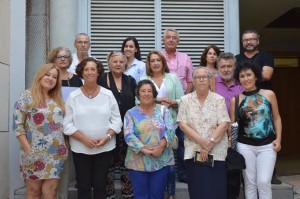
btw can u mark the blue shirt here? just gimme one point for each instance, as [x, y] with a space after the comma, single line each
[136, 70]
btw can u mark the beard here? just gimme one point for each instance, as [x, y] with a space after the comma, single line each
[250, 48]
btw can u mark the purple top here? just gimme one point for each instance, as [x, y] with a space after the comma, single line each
[228, 92]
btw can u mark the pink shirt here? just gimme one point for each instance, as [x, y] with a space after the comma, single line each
[181, 65]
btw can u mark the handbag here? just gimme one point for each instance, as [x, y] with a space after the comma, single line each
[235, 125]
[174, 142]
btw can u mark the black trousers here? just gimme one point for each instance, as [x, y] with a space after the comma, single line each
[91, 174]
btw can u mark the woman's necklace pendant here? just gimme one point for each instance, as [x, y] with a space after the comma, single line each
[90, 96]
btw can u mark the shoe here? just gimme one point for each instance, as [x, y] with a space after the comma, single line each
[275, 180]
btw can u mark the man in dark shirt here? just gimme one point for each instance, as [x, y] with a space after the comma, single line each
[250, 41]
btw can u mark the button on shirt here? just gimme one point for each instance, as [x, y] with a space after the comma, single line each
[181, 65]
[204, 120]
[228, 92]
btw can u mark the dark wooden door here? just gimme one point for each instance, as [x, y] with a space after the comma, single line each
[286, 85]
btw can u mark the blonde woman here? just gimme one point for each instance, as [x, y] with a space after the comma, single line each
[38, 125]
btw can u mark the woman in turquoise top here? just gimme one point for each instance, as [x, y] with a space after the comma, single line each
[148, 131]
[170, 91]
[260, 128]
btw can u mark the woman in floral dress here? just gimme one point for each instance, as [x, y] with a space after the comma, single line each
[38, 124]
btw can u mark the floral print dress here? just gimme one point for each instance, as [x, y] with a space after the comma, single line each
[43, 128]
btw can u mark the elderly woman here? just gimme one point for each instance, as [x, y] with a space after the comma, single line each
[169, 91]
[123, 88]
[204, 119]
[38, 124]
[148, 131]
[92, 121]
[259, 135]
[209, 59]
[62, 58]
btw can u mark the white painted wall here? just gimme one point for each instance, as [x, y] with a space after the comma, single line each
[231, 26]
[17, 84]
[4, 97]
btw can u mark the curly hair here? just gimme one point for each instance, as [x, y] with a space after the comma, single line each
[53, 54]
[80, 67]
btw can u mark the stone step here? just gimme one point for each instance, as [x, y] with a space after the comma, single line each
[283, 191]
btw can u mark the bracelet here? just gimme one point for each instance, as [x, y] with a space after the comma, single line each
[108, 135]
[212, 140]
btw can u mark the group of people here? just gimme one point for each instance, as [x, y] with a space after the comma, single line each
[129, 118]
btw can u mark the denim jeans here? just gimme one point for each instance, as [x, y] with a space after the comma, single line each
[181, 170]
[171, 181]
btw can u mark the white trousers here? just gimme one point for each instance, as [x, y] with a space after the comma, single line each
[260, 162]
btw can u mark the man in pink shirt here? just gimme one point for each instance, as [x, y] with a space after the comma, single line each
[180, 64]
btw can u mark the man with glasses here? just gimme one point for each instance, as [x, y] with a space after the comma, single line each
[250, 42]
[82, 44]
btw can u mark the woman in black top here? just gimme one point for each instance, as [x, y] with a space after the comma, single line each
[62, 58]
[123, 88]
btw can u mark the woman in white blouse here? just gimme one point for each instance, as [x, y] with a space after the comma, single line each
[92, 120]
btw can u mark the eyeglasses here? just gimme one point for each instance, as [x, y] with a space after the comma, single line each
[82, 42]
[249, 39]
[62, 57]
[201, 78]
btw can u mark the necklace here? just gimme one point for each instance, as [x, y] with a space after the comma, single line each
[90, 95]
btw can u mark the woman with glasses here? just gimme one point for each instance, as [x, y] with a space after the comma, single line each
[92, 121]
[204, 119]
[135, 67]
[62, 58]
[209, 60]
[123, 88]
[169, 91]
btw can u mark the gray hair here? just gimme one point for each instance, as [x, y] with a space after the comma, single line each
[226, 56]
[171, 30]
[82, 34]
[202, 67]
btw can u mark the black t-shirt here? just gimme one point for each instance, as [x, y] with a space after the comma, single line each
[260, 59]
[75, 81]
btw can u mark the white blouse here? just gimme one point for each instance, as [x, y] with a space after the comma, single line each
[93, 118]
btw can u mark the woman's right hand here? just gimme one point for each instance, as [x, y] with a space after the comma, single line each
[27, 149]
[90, 142]
[147, 151]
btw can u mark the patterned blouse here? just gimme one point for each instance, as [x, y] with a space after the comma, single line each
[142, 130]
[255, 120]
[43, 128]
[204, 120]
